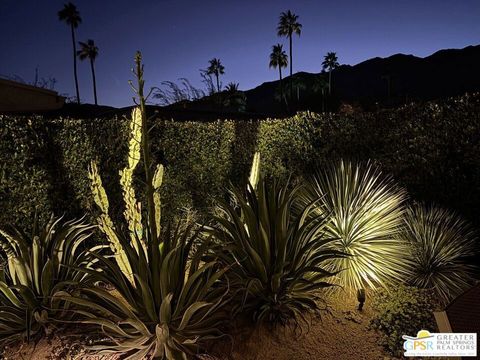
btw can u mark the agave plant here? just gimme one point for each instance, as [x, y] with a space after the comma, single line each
[39, 266]
[167, 301]
[440, 245]
[364, 213]
[276, 259]
[172, 307]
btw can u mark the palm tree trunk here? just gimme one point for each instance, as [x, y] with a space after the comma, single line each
[291, 67]
[94, 81]
[146, 151]
[75, 64]
[330, 82]
[323, 99]
[281, 85]
[218, 83]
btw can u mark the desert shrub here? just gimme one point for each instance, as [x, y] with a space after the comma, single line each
[441, 247]
[276, 259]
[39, 266]
[402, 310]
[363, 210]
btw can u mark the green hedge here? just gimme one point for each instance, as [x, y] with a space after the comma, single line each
[433, 149]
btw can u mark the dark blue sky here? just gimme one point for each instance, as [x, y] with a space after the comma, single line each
[178, 37]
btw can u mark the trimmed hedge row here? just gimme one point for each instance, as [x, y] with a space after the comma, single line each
[433, 149]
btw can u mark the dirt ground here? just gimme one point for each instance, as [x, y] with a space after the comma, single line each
[343, 334]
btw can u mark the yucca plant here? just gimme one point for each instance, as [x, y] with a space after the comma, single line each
[166, 300]
[364, 212]
[276, 260]
[39, 266]
[440, 246]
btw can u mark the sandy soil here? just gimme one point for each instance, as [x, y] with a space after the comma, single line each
[342, 334]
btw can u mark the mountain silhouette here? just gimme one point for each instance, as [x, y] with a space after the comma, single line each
[377, 82]
[388, 81]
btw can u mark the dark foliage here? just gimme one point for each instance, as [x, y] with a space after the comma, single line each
[432, 149]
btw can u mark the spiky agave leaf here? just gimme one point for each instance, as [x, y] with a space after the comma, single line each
[276, 259]
[364, 213]
[174, 305]
[39, 266]
[440, 245]
[255, 170]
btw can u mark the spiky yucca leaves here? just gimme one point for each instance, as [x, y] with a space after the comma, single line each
[364, 213]
[440, 245]
[174, 304]
[276, 259]
[39, 266]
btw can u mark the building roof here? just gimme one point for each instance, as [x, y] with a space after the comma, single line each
[464, 312]
[19, 97]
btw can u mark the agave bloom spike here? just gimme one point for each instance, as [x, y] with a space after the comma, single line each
[168, 299]
[255, 171]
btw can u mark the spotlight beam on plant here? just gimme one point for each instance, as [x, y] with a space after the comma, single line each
[364, 211]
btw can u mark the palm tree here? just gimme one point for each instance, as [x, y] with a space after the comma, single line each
[287, 26]
[89, 51]
[278, 58]
[330, 63]
[232, 87]
[71, 16]
[216, 68]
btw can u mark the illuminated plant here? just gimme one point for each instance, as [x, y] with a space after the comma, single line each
[364, 211]
[39, 266]
[167, 300]
[276, 259]
[440, 246]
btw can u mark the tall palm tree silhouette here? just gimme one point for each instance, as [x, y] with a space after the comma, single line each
[89, 51]
[216, 68]
[330, 63]
[278, 58]
[71, 16]
[287, 26]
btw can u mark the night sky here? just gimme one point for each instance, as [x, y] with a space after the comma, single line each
[178, 37]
